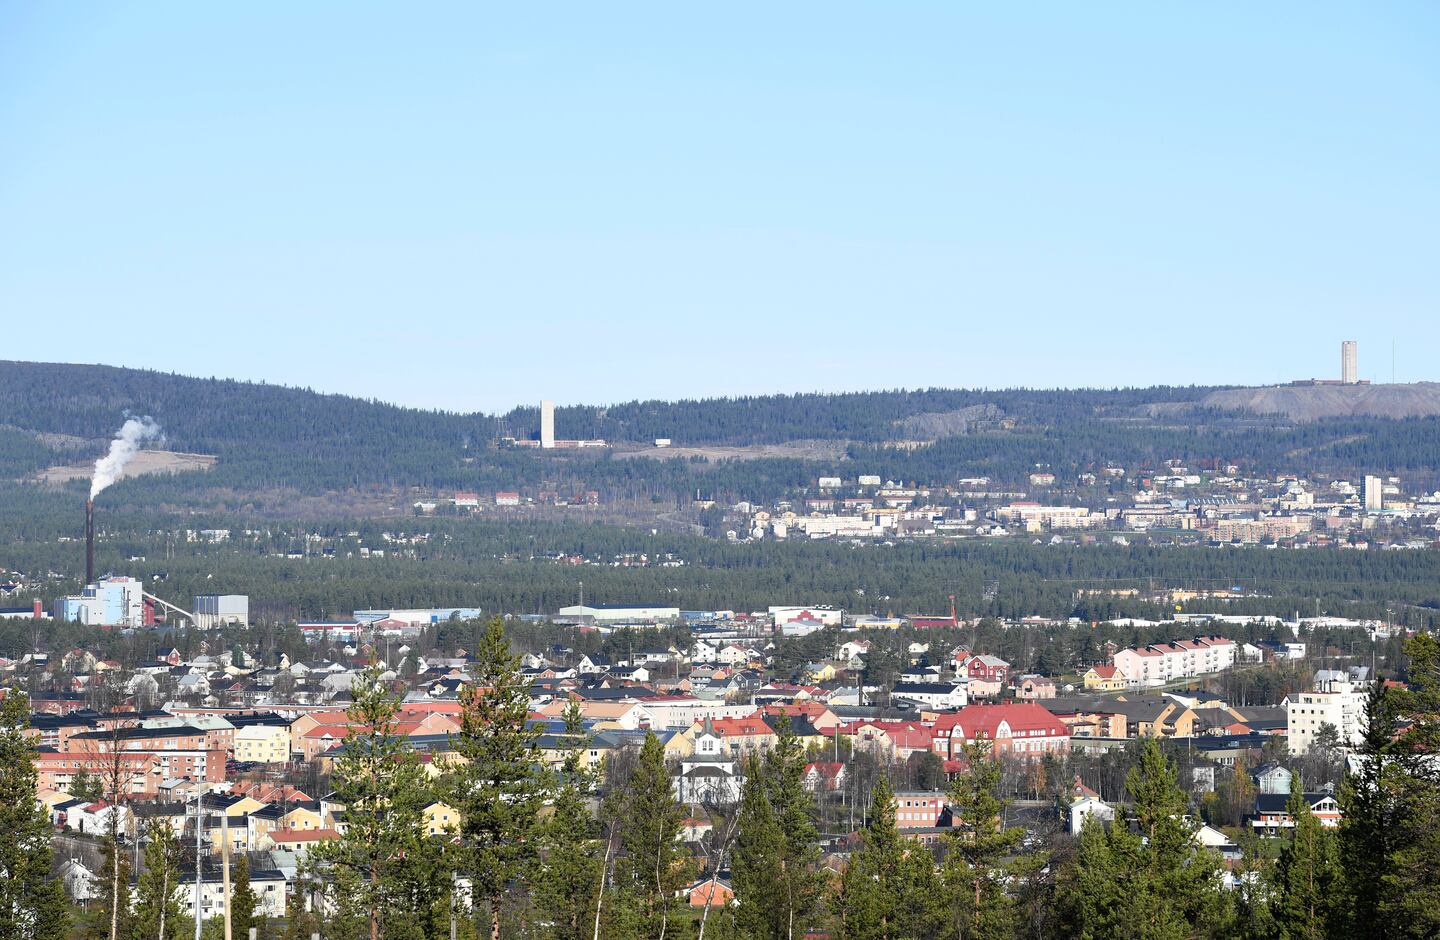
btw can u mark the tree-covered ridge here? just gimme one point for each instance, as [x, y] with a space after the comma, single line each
[869, 417]
[274, 438]
[509, 566]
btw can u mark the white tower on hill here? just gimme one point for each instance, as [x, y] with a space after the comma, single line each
[547, 425]
[1349, 371]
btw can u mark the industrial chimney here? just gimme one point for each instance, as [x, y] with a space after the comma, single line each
[89, 541]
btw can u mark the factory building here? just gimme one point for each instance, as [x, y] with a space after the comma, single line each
[329, 631]
[221, 610]
[418, 618]
[581, 613]
[109, 602]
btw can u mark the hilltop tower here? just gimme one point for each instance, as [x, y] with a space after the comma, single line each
[1349, 372]
[547, 425]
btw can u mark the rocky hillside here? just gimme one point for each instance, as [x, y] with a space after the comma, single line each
[1312, 402]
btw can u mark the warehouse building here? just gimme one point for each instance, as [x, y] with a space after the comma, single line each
[221, 610]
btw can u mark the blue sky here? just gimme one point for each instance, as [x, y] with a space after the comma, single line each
[469, 206]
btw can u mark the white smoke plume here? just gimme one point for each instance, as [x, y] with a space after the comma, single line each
[133, 433]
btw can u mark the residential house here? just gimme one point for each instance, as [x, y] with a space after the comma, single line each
[889, 740]
[931, 695]
[824, 776]
[1034, 688]
[1272, 818]
[1104, 679]
[1087, 807]
[708, 892]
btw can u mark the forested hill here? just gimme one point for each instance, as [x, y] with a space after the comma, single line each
[866, 417]
[271, 438]
[264, 434]
[219, 415]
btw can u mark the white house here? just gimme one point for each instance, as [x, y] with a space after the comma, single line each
[733, 655]
[593, 664]
[1085, 807]
[97, 818]
[937, 695]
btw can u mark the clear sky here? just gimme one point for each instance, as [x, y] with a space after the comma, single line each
[474, 205]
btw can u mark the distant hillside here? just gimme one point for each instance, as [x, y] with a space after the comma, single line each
[1311, 402]
[862, 417]
[264, 435]
[275, 445]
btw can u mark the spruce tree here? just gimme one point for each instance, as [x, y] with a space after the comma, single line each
[776, 865]
[1155, 881]
[1411, 876]
[1369, 818]
[650, 868]
[800, 879]
[32, 904]
[976, 870]
[502, 786]
[1304, 878]
[869, 903]
[757, 858]
[157, 890]
[385, 862]
[568, 874]
[243, 902]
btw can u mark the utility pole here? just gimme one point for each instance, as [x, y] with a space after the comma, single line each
[225, 869]
[199, 827]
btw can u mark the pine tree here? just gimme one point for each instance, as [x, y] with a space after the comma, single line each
[1305, 875]
[388, 865]
[1410, 905]
[300, 918]
[800, 880]
[1155, 882]
[776, 864]
[32, 904]
[85, 786]
[1183, 879]
[650, 868]
[502, 785]
[1092, 892]
[975, 869]
[243, 901]
[1369, 825]
[568, 875]
[869, 903]
[757, 858]
[157, 891]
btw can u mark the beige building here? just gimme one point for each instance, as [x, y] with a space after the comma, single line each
[263, 744]
[441, 818]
